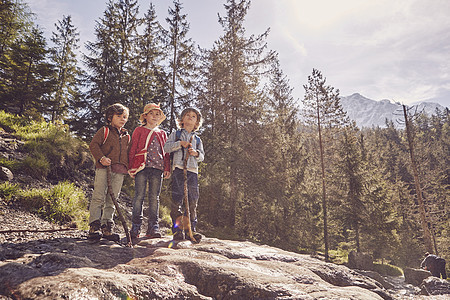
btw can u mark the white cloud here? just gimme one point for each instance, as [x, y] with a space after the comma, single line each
[380, 48]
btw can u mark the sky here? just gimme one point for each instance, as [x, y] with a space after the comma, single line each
[382, 49]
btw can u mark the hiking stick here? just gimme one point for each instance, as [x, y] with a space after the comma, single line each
[186, 198]
[116, 204]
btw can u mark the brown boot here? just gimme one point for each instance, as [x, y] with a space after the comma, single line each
[108, 234]
[94, 231]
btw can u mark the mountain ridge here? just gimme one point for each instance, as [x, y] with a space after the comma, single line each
[372, 113]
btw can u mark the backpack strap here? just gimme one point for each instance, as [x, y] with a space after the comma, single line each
[178, 135]
[105, 134]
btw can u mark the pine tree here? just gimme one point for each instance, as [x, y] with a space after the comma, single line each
[231, 103]
[15, 23]
[149, 83]
[287, 214]
[28, 75]
[417, 182]
[15, 26]
[109, 59]
[68, 75]
[353, 210]
[322, 109]
[181, 53]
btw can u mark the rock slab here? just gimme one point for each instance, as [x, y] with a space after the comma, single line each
[71, 268]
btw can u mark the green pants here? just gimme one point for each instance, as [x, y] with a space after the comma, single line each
[102, 207]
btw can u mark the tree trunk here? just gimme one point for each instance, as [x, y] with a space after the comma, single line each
[324, 197]
[423, 218]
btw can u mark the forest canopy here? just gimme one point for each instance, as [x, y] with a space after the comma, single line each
[293, 173]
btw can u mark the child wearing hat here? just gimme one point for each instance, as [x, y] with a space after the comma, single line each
[109, 148]
[148, 163]
[180, 143]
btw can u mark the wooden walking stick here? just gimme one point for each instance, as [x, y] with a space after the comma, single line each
[186, 198]
[116, 204]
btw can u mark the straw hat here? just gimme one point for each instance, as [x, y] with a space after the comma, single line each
[148, 108]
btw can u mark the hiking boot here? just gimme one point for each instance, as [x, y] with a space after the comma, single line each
[135, 230]
[108, 234]
[178, 235]
[94, 231]
[154, 233]
[197, 237]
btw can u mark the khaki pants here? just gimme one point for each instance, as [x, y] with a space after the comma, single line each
[102, 207]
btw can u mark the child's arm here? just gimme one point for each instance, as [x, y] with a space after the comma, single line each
[95, 147]
[201, 155]
[133, 147]
[171, 144]
[166, 157]
[198, 153]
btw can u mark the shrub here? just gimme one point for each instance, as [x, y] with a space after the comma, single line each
[53, 152]
[8, 190]
[60, 204]
[13, 165]
[10, 122]
[36, 165]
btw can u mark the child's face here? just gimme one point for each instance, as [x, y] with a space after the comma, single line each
[190, 119]
[118, 121]
[153, 117]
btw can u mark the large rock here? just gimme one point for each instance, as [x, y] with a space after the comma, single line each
[376, 276]
[360, 260]
[435, 286]
[415, 276]
[214, 269]
[6, 174]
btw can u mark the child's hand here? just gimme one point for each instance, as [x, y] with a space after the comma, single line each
[166, 174]
[185, 144]
[192, 152]
[105, 161]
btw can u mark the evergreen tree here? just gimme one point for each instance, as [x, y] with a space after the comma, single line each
[28, 77]
[353, 210]
[232, 106]
[149, 84]
[417, 182]
[109, 60]
[67, 92]
[15, 23]
[286, 214]
[181, 53]
[322, 108]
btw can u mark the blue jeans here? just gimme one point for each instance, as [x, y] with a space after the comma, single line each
[178, 195]
[154, 178]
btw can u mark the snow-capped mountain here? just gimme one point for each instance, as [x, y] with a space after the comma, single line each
[371, 113]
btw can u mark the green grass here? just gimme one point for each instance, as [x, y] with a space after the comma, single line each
[52, 150]
[63, 203]
[387, 269]
[8, 190]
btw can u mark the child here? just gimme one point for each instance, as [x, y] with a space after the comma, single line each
[148, 163]
[109, 147]
[181, 142]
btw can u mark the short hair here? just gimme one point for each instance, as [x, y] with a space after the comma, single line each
[115, 109]
[187, 110]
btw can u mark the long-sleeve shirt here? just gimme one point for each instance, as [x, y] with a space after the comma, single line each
[139, 147]
[115, 147]
[179, 153]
